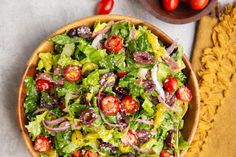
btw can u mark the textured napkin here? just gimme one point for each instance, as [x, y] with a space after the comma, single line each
[214, 61]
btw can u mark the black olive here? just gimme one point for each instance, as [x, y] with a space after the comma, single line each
[108, 79]
[105, 145]
[143, 136]
[121, 92]
[169, 139]
[50, 103]
[72, 32]
[170, 98]
[122, 120]
[88, 117]
[149, 85]
[84, 31]
[143, 57]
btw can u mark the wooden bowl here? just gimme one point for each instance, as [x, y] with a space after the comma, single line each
[183, 14]
[191, 118]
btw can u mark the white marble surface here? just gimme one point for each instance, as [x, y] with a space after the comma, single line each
[25, 23]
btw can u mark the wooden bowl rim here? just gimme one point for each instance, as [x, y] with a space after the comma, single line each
[194, 18]
[115, 17]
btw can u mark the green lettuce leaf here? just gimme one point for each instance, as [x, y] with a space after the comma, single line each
[148, 106]
[92, 79]
[30, 103]
[141, 44]
[92, 54]
[68, 49]
[114, 62]
[34, 127]
[178, 57]
[122, 29]
[65, 60]
[163, 71]
[45, 62]
[63, 39]
[99, 26]
[62, 139]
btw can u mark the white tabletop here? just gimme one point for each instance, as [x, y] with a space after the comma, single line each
[25, 23]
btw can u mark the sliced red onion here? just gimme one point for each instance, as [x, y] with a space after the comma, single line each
[62, 128]
[55, 122]
[58, 71]
[171, 48]
[171, 62]
[158, 87]
[39, 111]
[96, 41]
[149, 122]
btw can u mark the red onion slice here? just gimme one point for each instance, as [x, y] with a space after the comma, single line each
[171, 62]
[55, 122]
[171, 48]
[63, 128]
[149, 122]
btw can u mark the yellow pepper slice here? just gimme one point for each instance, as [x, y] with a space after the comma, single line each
[159, 116]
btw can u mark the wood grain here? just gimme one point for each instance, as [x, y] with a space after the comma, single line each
[191, 117]
[183, 14]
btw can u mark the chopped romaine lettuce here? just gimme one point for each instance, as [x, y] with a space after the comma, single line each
[114, 62]
[68, 49]
[63, 39]
[122, 29]
[98, 26]
[45, 62]
[34, 127]
[178, 57]
[62, 139]
[65, 60]
[92, 79]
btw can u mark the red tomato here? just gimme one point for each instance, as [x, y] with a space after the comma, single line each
[72, 73]
[170, 84]
[90, 154]
[184, 94]
[43, 85]
[114, 43]
[105, 6]
[170, 5]
[129, 105]
[110, 105]
[198, 4]
[164, 153]
[42, 144]
[77, 153]
[121, 74]
[130, 139]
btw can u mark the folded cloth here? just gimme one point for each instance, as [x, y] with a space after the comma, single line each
[214, 60]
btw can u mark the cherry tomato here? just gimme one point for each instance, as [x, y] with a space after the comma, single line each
[42, 144]
[170, 5]
[90, 154]
[170, 84]
[110, 105]
[164, 153]
[72, 73]
[43, 85]
[77, 153]
[121, 74]
[114, 43]
[129, 105]
[198, 4]
[130, 139]
[105, 6]
[184, 94]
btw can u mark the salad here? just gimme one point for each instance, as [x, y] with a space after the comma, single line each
[110, 90]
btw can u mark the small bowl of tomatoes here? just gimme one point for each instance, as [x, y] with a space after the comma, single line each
[179, 11]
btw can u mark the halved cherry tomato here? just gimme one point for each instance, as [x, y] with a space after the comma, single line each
[170, 5]
[77, 153]
[164, 153]
[170, 84]
[184, 94]
[90, 154]
[198, 4]
[42, 144]
[114, 43]
[130, 139]
[121, 74]
[105, 6]
[72, 73]
[110, 105]
[43, 85]
[129, 105]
